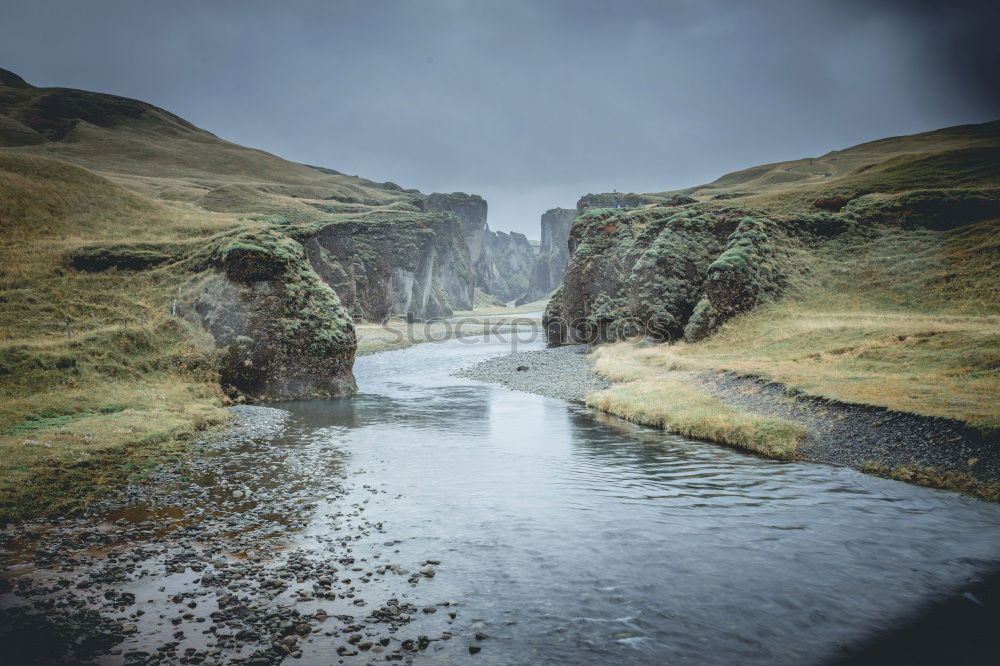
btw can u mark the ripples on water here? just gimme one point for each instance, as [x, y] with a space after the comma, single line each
[573, 537]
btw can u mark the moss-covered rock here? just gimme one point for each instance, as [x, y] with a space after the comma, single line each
[745, 274]
[704, 321]
[615, 200]
[639, 270]
[261, 255]
[281, 331]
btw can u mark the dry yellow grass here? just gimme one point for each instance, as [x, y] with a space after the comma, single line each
[664, 399]
[794, 184]
[61, 462]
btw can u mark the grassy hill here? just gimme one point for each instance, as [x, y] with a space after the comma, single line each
[903, 309]
[961, 156]
[99, 382]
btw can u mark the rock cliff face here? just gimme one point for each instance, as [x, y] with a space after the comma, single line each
[512, 257]
[501, 262]
[662, 271]
[553, 254]
[415, 265]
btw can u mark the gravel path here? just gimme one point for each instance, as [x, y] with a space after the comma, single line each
[559, 372]
[839, 433]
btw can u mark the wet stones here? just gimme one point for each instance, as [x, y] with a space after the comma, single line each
[219, 583]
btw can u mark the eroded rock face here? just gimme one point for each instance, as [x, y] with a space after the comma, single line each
[513, 258]
[281, 332]
[417, 266]
[501, 262]
[471, 210]
[661, 271]
[553, 254]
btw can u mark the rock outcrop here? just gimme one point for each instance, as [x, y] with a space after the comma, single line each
[661, 271]
[553, 257]
[612, 200]
[553, 254]
[280, 331]
[512, 259]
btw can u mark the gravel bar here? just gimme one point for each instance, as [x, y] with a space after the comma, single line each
[558, 372]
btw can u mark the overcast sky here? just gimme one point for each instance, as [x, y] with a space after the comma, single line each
[530, 103]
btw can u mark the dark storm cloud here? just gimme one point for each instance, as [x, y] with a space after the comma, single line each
[529, 103]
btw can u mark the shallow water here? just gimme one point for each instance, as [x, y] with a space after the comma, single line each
[572, 537]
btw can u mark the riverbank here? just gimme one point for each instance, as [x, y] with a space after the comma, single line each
[210, 548]
[760, 416]
[433, 520]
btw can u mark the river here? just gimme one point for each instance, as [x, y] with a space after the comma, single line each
[566, 536]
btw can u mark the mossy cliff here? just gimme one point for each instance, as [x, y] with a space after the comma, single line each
[416, 264]
[553, 257]
[280, 331]
[553, 253]
[635, 271]
[513, 258]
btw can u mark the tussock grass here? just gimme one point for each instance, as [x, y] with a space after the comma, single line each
[76, 444]
[665, 400]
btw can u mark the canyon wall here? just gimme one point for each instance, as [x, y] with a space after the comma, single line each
[553, 254]
[501, 262]
[417, 265]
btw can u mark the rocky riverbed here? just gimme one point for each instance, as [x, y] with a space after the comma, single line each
[839, 433]
[198, 566]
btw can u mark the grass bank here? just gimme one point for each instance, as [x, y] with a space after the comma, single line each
[906, 320]
[57, 460]
[663, 399]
